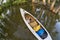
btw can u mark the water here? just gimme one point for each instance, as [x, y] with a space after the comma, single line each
[17, 30]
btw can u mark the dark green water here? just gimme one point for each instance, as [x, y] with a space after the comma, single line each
[16, 28]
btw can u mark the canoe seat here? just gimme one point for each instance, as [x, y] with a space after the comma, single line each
[33, 24]
[36, 28]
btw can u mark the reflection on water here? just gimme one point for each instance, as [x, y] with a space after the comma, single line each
[4, 1]
[8, 12]
[17, 30]
[58, 30]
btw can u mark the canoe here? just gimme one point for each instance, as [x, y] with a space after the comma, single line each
[38, 30]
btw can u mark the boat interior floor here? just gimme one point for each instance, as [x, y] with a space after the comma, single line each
[36, 26]
[32, 22]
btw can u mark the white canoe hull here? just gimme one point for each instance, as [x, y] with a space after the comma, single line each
[30, 28]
